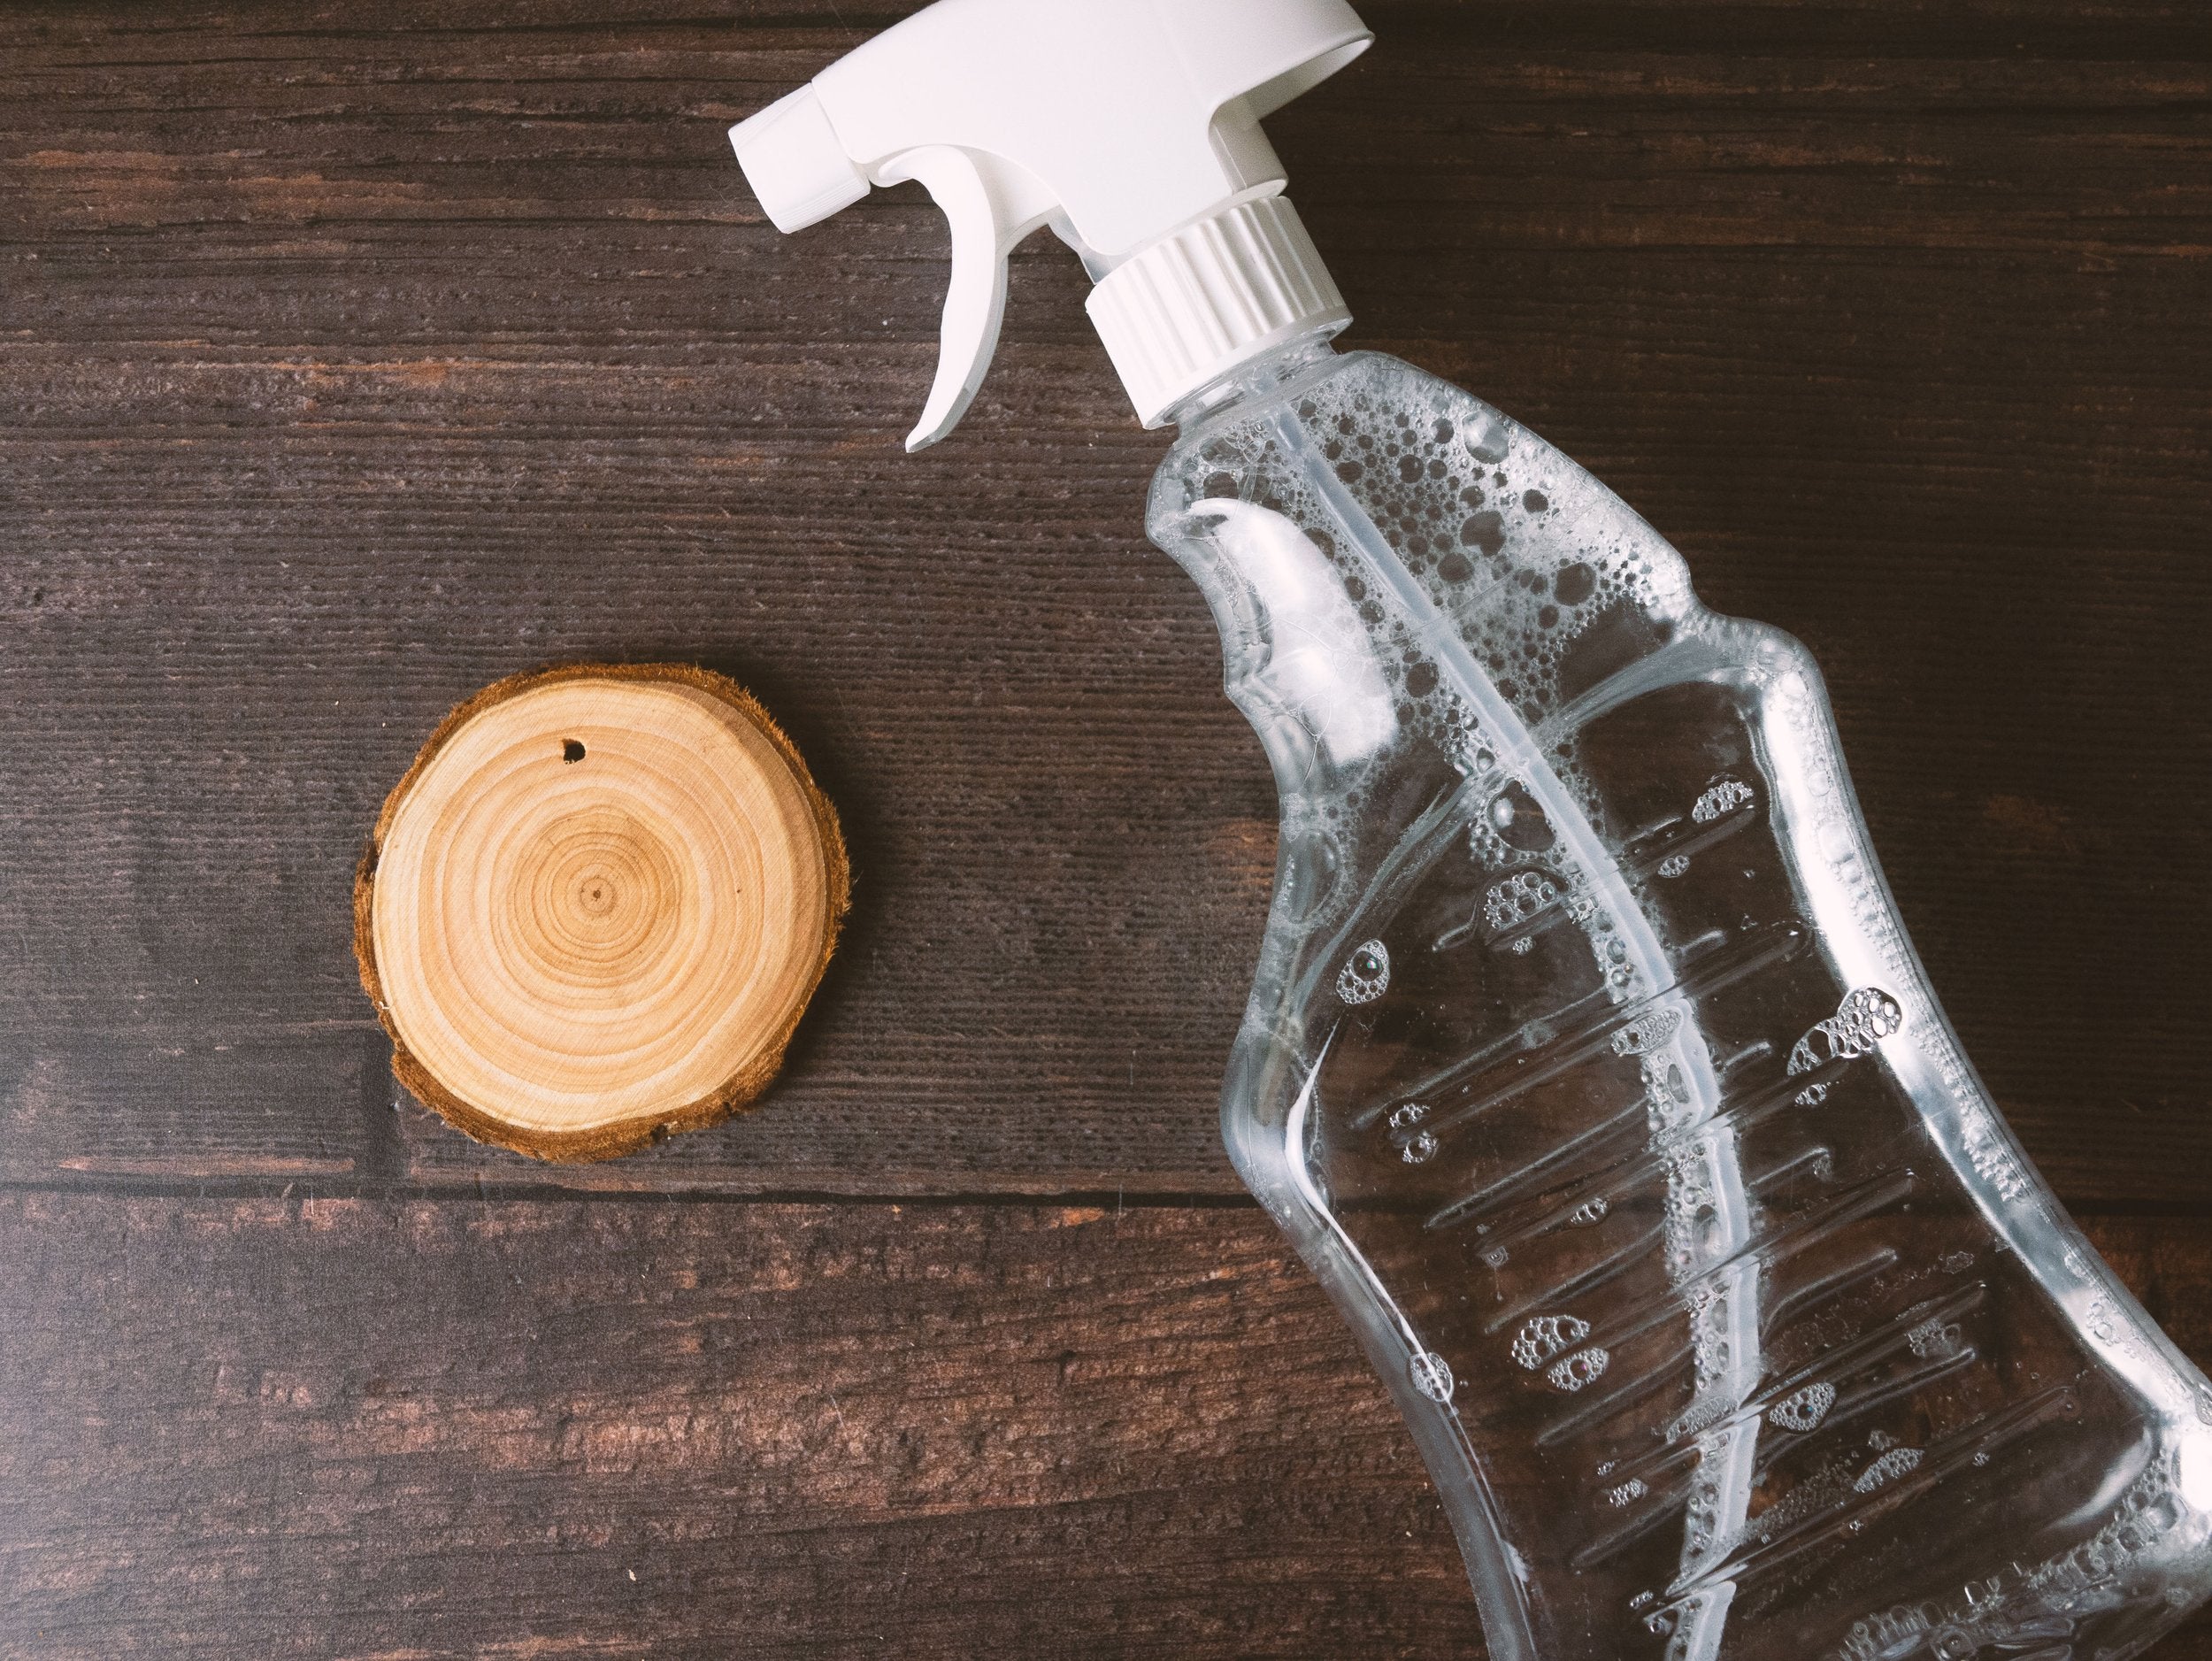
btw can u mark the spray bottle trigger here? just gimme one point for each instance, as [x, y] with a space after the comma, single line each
[991, 205]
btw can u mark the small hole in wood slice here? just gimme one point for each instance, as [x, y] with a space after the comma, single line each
[572, 750]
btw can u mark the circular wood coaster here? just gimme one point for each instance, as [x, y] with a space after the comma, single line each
[595, 906]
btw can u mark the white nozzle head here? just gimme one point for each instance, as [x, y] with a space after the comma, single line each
[794, 162]
[1125, 125]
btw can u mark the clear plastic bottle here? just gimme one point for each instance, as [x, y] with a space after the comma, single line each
[1588, 1064]
[1590, 1068]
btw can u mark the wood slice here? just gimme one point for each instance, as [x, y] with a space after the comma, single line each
[596, 907]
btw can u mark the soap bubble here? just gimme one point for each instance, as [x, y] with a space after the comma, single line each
[1517, 899]
[1518, 819]
[1934, 1338]
[1888, 1468]
[1432, 1376]
[1802, 1410]
[1484, 530]
[1647, 1033]
[1365, 975]
[1543, 1336]
[1584, 1367]
[1723, 797]
[1866, 1016]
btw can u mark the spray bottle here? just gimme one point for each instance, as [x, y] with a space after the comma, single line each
[1588, 1064]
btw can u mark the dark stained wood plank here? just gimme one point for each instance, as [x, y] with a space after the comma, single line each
[351, 358]
[430, 1429]
[345, 1428]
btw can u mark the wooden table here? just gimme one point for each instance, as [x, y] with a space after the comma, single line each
[352, 355]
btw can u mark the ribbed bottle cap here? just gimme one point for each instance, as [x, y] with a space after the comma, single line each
[1192, 306]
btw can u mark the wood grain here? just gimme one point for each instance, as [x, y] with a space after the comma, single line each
[425, 1428]
[352, 359]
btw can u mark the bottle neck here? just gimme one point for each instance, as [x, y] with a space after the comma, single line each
[1256, 377]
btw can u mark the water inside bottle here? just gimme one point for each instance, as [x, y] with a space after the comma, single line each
[1591, 1067]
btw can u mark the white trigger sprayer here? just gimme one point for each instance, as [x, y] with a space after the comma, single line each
[1158, 137]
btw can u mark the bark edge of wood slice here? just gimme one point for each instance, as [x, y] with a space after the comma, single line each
[595, 906]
